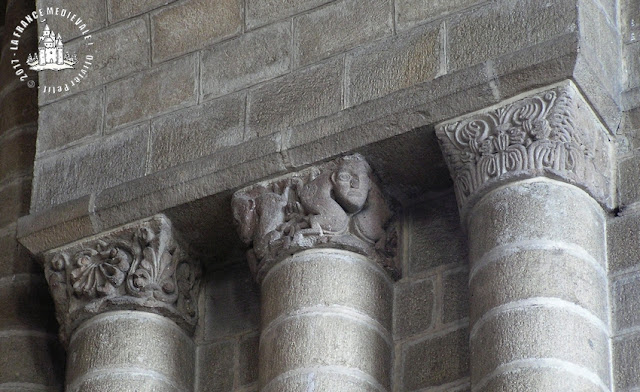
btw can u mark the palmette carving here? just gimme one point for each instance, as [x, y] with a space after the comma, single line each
[141, 266]
[552, 133]
[336, 205]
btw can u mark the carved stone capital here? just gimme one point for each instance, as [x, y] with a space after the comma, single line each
[552, 133]
[140, 266]
[334, 205]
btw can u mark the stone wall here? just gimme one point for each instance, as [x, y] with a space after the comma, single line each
[31, 358]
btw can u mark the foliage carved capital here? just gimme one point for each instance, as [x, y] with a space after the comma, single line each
[139, 266]
[551, 133]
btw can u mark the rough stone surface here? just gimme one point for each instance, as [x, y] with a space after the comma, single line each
[412, 12]
[338, 27]
[540, 379]
[393, 64]
[123, 9]
[443, 359]
[296, 98]
[630, 20]
[70, 120]
[622, 233]
[627, 309]
[216, 362]
[25, 302]
[123, 382]
[630, 64]
[168, 87]
[261, 12]
[14, 200]
[322, 381]
[19, 108]
[244, 61]
[248, 349]
[17, 150]
[28, 358]
[475, 37]
[626, 363]
[93, 13]
[628, 181]
[455, 297]
[413, 308]
[195, 132]
[86, 169]
[208, 22]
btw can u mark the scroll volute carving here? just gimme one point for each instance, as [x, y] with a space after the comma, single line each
[337, 205]
[142, 266]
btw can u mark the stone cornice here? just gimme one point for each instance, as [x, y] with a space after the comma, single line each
[139, 266]
[334, 205]
[551, 133]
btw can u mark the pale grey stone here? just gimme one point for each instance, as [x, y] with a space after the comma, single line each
[624, 248]
[132, 340]
[331, 279]
[118, 51]
[539, 332]
[338, 27]
[629, 181]
[244, 61]
[400, 62]
[626, 362]
[321, 381]
[248, 351]
[324, 340]
[261, 12]
[435, 360]
[455, 304]
[70, 120]
[171, 86]
[414, 308]
[499, 28]
[296, 98]
[548, 273]
[412, 12]
[80, 171]
[133, 382]
[540, 379]
[630, 20]
[217, 364]
[627, 310]
[630, 66]
[208, 22]
[93, 13]
[123, 9]
[192, 133]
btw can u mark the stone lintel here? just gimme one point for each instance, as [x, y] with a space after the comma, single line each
[336, 205]
[139, 266]
[551, 132]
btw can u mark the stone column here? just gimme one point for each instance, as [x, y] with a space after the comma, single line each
[321, 251]
[531, 177]
[126, 304]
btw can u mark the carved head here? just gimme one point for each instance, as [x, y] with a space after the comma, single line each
[351, 183]
[244, 216]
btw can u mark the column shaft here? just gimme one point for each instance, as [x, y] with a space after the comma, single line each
[326, 324]
[538, 289]
[130, 351]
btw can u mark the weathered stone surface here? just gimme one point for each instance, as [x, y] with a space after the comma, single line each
[630, 20]
[626, 360]
[80, 171]
[630, 66]
[542, 332]
[414, 308]
[539, 379]
[551, 133]
[142, 265]
[412, 12]
[478, 36]
[248, 349]
[132, 340]
[336, 205]
[436, 361]
[330, 340]
[115, 381]
[232, 303]
[338, 27]
[170, 86]
[17, 259]
[261, 12]
[118, 51]
[623, 244]
[435, 235]
[195, 132]
[31, 358]
[70, 120]
[322, 381]
[208, 22]
[93, 13]
[17, 150]
[455, 303]
[14, 200]
[330, 278]
[217, 363]
[627, 310]
[123, 9]
[19, 108]
[296, 98]
[244, 61]
[25, 303]
[393, 64]
[629, 181]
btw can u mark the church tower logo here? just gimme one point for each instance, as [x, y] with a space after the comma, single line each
[51, 54]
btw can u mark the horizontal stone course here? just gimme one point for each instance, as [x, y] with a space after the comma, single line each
[393, 64]
[217, 366]
[114, 381]
[412, 12]
[195, 132]
[539, 379]
[123, 9]
[455, 296]
[208, 22]
[261, 12]
[414, 307]
[170, 86]
[317, 380]
[93, 13]
[244, 61]
[338, 27]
